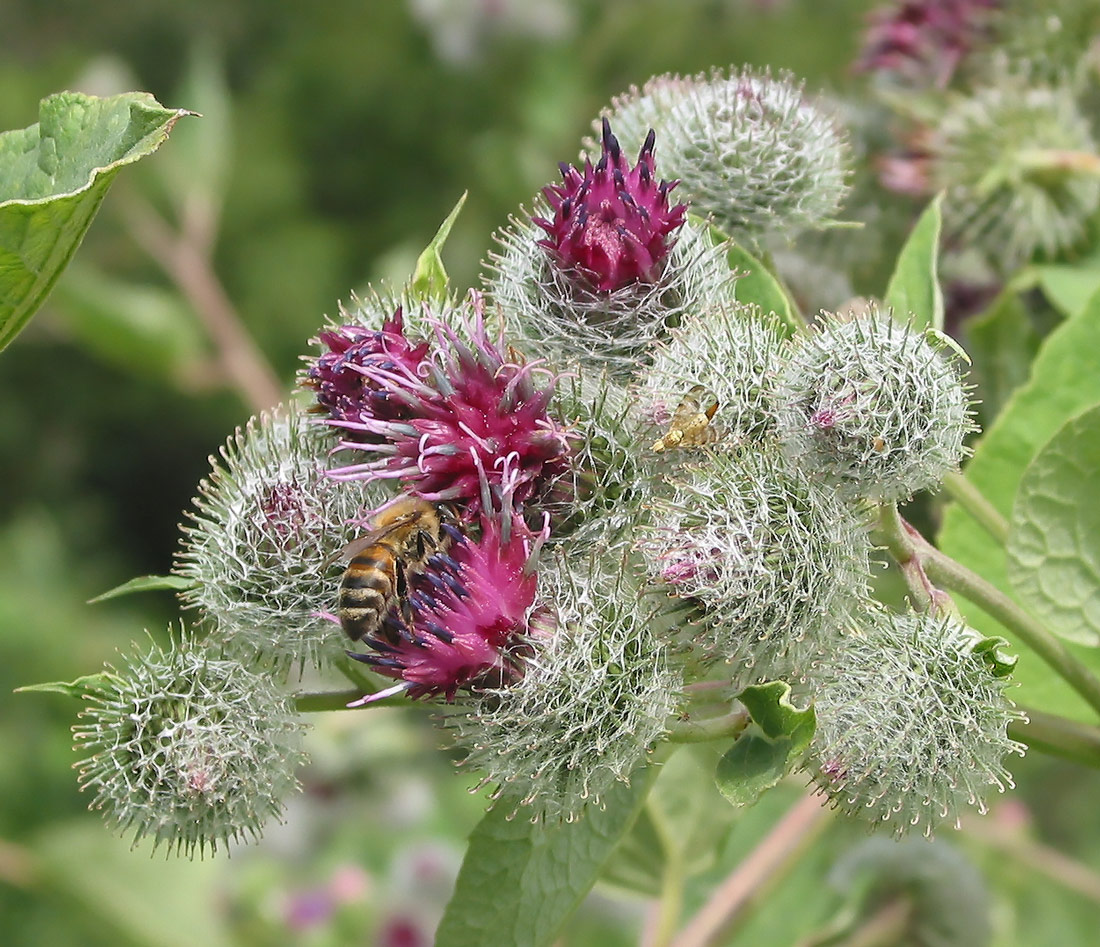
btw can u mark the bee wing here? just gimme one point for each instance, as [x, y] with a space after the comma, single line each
[357, 545]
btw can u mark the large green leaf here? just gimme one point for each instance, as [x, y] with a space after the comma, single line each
[1002, 342]
[1065, 380]
[53, 177]
[1054, 545]
[520, 882]
[1069, 286]
[914, 289]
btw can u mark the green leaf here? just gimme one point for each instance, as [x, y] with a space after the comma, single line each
[1064, 381]
[81, 687]
[429, 279]
[771, 709]
[1002, 342]
[680, 828]
[520, 882]
[914, 289]
[755, 285]
[148, 331]
[131, 897]
[146, 583]
[53, 177]
[769, 747]
[1054, 542]
[1069, 287]
[991, 651]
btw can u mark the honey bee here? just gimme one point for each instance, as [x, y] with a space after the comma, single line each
[690, 425]
[402, 537]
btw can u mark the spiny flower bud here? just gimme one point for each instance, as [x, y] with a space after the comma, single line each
[748, 148]
[188, 748]
[595, 696]
[470, 408]
[612, 225]
[267, 524]
[578, 324]
[733, 354]
[1007, 157]
[1048, 41]
[770, 558]
[912, 720]
[873, 407]
[602, 490]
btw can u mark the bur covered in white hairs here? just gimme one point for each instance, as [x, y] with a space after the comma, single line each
[574, 324]
[188, 748]
[596, 694]
[912, 720]
[267, 526]
[1008, 157]
[748, 148]
[771, 559]
[731, 352]
[872, 406]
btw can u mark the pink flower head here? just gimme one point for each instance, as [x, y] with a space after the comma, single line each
[343, 378]
[612, 224]
[464, 623]
[922, 42]
[471, 415]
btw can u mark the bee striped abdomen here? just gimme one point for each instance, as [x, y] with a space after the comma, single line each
[368, 589]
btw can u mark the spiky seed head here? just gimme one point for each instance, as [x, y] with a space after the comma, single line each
[748, 148]
[912, 720]
[595, 696]
[188, 748]
[770, 559]
[268, 523]
[599, 494]
[732, 352]
[597, 330]
[872, 406]
[1005, 155]
[1047, 41]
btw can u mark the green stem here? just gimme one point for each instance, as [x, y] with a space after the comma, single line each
[714, 728]
[326, 700]
[914, 553]
[671, 902]
[955, 576]
[971, 499]
[1058, 736]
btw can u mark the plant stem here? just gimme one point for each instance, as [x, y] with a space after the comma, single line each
[971, 499]
[955, 576]
[778, 852]
[914, 553]
[1058, 736]
[713, 728]
[671, 901]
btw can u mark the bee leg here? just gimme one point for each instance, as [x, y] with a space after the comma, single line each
[402, 580]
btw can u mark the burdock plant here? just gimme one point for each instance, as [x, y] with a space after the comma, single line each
[659, 490]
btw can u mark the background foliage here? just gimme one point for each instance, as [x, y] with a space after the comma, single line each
[336, 136]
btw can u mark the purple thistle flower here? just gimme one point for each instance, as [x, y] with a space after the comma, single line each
[468, 412]
[612, 223]
[465, 621]
[342, 376]
[922, 42]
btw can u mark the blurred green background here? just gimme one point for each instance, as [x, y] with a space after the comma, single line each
[335, 138]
